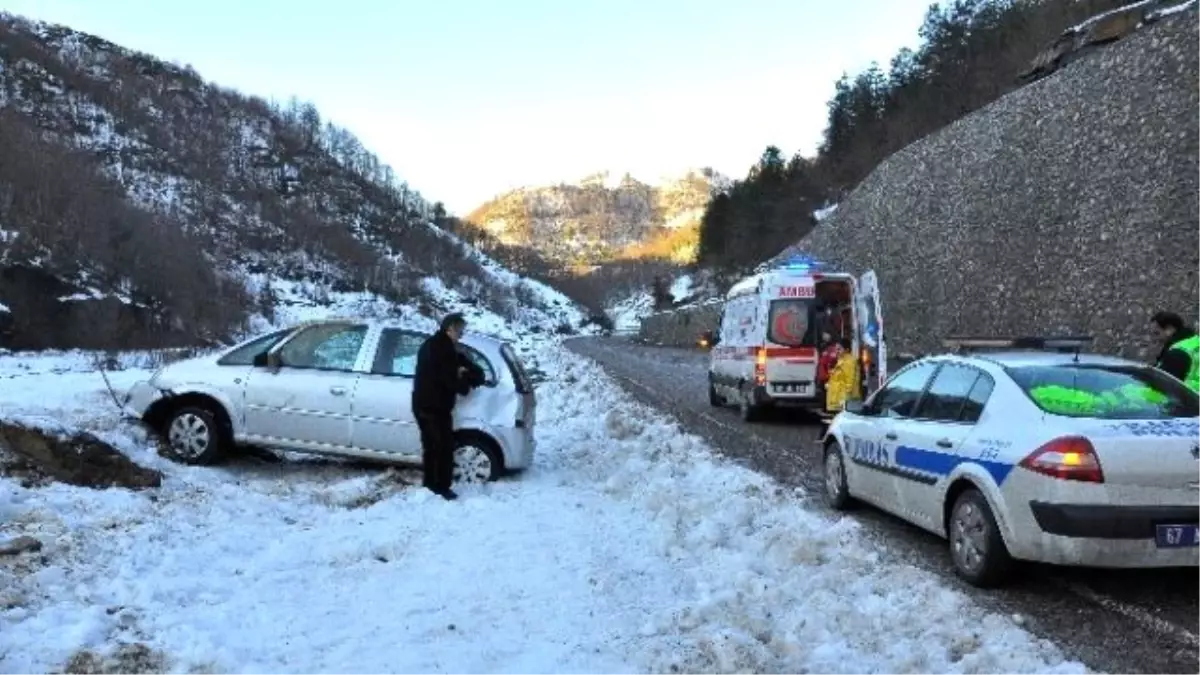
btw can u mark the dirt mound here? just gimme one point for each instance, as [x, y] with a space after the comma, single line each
[36, 455]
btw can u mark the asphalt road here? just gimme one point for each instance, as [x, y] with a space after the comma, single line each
[1113, 621]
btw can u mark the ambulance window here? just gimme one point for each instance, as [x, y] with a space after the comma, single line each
[789, 324]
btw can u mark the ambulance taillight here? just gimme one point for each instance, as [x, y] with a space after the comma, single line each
[760, 366]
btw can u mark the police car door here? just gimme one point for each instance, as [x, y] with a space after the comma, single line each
[932, 442]
[870, 449]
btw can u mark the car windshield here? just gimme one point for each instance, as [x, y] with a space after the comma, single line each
[1106, 392]
[789, 323]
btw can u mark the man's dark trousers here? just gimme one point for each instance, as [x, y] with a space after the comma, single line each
[437, 448]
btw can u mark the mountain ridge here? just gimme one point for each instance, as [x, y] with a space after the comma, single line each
[219, 193]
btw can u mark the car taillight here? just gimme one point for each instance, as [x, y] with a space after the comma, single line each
[760, 366]
[1066, 458]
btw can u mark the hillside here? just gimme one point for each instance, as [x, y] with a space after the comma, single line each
[1068, 206]
[141, 205]
[602, 218]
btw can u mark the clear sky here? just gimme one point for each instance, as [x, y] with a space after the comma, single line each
[468, 98]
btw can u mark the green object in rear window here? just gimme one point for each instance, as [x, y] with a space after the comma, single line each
[1106, 392]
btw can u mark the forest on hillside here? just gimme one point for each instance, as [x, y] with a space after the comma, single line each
[971, 53]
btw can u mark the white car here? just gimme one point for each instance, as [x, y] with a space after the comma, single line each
[337, 388]
[957, 445]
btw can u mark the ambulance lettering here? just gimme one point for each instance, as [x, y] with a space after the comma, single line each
[797, 291]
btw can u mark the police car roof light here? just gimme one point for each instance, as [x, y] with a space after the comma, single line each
[1058, 344]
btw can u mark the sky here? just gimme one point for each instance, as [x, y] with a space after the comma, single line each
[466, 99]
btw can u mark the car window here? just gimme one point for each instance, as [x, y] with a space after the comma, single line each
[948, 393]
[899, 396]
[244, 355]
[397, 353]
[977, 398]
[1106, 392]
[476, 357]
[324, 347]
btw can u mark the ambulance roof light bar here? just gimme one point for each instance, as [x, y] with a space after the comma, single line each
[799, 262]
[1067, 344]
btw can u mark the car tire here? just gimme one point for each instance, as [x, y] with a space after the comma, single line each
[977, 548]
[194, 435]
[837, 492]
[476, 460]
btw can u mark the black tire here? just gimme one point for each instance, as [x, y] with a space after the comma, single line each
[714, 399]
[837, 493]
[476, 459]
[194, 435]
[977, 549]
[746, 410]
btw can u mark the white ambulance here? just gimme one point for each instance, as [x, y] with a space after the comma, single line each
[765, 352]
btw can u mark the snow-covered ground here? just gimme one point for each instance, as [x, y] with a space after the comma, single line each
[628, 547]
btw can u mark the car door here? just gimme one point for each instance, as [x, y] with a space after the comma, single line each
[933, 441]
[870, 443]
[382, 417]
[868, 307]
[306, 402]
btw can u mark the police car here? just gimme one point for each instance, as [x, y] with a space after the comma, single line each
[973, 446]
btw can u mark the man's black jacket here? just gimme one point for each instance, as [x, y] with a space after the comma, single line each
[437, 384]
[1176, 361]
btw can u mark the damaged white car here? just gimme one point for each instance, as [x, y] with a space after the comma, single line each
[341, 388]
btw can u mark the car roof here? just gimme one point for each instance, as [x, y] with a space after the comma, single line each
[473, 338]
[1018, 358]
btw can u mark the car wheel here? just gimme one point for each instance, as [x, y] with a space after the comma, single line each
[194, 436]
[476, 461]
[837, 493]
[976, 546]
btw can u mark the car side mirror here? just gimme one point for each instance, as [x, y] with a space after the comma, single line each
[856, 408]
[260, 360]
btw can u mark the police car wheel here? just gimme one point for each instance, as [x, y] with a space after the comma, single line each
[976, 547]
[837, 493]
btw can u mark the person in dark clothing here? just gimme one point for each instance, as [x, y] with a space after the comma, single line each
[1178, 344]
[442, 374]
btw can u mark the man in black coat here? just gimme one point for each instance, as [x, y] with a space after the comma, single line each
[442, 374]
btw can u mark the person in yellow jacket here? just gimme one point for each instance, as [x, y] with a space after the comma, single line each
[843, 383]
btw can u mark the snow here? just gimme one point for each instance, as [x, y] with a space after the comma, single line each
[4, 308]
[1173, 9]
[681, 287]
[627, 314]
[823, 213]
[628, 547]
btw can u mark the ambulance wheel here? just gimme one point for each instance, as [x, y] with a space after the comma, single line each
[714, 399]
[749, 412]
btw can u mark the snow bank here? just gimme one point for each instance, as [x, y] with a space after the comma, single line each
[628, 547]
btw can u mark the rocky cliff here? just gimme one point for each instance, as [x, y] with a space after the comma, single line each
[600, 218]
[1068, 206]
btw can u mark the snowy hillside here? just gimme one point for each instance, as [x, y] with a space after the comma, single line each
[217, 192]
[628, 547]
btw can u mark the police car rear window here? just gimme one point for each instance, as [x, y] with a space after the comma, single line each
[1106, 392]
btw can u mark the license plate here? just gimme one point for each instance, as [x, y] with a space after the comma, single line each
[1177, 536]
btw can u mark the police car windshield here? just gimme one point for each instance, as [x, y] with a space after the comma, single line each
[1106, 392]
[789, 323]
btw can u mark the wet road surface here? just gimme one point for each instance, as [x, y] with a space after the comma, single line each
[1112, 620]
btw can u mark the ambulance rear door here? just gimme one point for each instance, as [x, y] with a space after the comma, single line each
[869, 313]
[791, 341]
